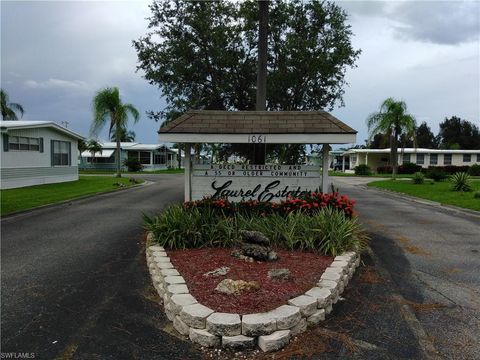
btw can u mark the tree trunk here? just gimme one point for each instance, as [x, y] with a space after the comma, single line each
[117, 130]
[394, 153]
[261, 98]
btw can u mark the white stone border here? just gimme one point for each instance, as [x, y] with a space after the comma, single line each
[271, 330]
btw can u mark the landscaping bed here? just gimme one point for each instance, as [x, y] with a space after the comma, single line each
[305, 267]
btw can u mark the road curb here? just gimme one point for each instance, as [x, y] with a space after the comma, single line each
[64, 202]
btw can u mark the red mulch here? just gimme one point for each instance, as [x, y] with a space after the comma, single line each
[305, 267]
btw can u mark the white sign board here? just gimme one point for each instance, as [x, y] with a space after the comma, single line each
[253, 182]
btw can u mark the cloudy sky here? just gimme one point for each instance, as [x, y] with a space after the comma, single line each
[55, 55]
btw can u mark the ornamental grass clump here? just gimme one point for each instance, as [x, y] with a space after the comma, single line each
[461, 181]
[418, 178]
[292, 224]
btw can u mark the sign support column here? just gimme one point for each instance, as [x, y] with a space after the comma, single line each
[325, 161]
[188, 176]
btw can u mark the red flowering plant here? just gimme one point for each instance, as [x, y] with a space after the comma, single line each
[308, 204]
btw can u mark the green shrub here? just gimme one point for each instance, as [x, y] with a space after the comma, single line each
[418, 178]
[362, 170]
[133, 164]
[474, 170]
[461, 182]
[436, 174]
[328, 231]
[476, 195]
[409, 168]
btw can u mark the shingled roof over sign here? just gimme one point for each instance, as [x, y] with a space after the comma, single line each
[249, 122]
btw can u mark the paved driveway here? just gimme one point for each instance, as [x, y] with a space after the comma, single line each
[433, 257]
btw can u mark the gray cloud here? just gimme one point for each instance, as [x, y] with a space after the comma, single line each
[446, 22]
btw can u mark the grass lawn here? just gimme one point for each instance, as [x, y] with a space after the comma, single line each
[166, 171]
[438, 191]
[339, 173]
[14, 200]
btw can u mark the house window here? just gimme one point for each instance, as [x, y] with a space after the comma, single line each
[447, 159]
[60, 153]
[478, 157]
[23, 143]
[353, 159]
[467, 157]
[420, 159]
[433, 159]
[406, 158]
[144, 157]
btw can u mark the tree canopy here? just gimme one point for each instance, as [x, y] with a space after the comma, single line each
[457, 133]
[202, 55]
[9, 109]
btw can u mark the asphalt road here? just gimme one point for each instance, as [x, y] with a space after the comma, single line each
[75, 284]
[433, 257]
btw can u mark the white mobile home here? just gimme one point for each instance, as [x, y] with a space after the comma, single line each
[151, 156]
[425, 158]
[37, 152]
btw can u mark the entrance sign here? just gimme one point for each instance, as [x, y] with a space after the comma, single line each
[237, 182]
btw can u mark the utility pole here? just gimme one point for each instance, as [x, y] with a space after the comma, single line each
[261, 99]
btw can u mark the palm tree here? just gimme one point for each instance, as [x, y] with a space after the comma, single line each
[394, 121]
[125, 136]
[9, 109]
[107, 105]
[93, 146]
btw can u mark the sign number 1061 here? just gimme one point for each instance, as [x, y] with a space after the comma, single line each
[257, 139]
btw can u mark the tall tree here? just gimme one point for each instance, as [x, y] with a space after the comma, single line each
[9, 110]
[125, 135]
[215, 47]
[108, 107]
[94, 147]
[394, 121]
[458, 133]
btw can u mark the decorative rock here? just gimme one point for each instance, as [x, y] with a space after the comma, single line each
[224, 324]
[238, 342]
[180, 326]
[287, 316]
[221, 271]
[174, 280]
[322, 295]
[204, 338]
[178, 301]
[272, 255]
[159, 254]
[177, 289]
[258, 324]
[238, 254]
[279, 274]
[299, 328]
[169, 272]
[154, 247]
[306, 304]
[169, 312]
[258, 252]
[329, 309]
[161, 259]
[316, 317]
[195, 315]
[164, 265]
[254, 237]
[331, 276]
[274, 341]
[229, 286]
